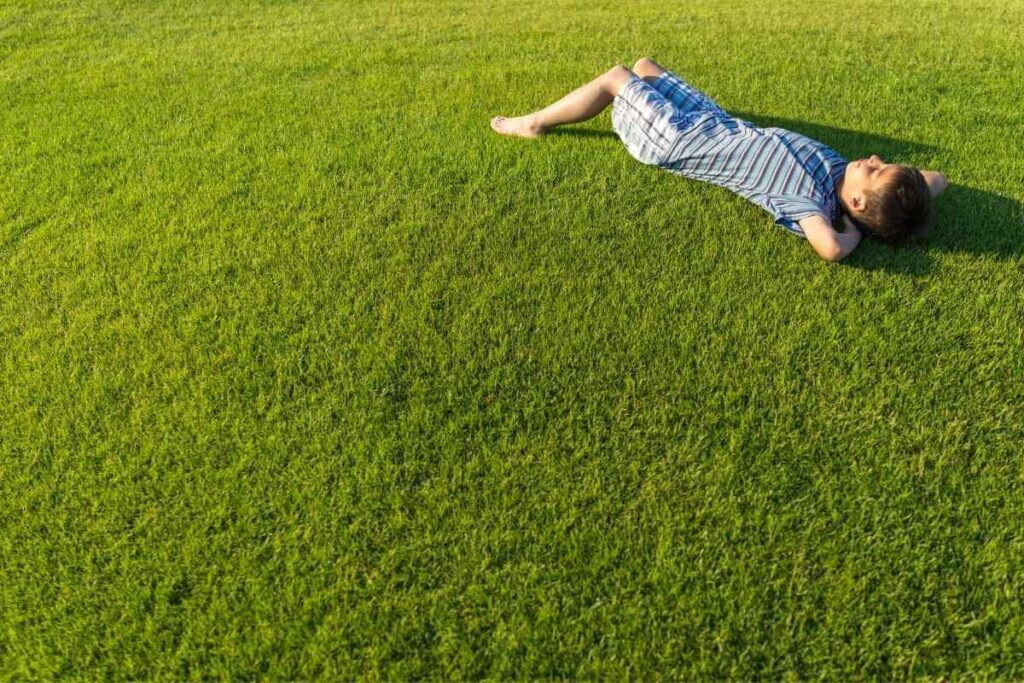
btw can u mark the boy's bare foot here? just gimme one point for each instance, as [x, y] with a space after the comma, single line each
[522, 126]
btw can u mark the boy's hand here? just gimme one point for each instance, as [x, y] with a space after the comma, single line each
[937, 182]
[850, 227]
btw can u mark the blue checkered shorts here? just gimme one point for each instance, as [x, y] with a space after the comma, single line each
[650, 118]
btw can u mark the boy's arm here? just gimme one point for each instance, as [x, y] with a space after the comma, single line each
[937, 182]
[829, 244]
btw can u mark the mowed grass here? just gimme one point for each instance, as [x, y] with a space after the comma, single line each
[304, 372]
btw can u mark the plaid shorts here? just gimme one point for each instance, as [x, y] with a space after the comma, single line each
[649, 119]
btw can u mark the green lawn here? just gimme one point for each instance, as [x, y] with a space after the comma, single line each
[305, 372]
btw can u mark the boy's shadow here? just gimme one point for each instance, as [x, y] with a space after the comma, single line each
[966, 219]
[582, 133]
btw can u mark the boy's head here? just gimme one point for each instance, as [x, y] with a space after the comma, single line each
[889, 202]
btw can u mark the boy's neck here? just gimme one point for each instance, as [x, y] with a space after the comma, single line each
[839, 194]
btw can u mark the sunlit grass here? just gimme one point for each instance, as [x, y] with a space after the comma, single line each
[304, 372]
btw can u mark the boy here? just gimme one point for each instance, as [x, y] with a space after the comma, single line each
[665, 121]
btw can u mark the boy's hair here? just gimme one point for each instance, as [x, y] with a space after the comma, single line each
[900, 213]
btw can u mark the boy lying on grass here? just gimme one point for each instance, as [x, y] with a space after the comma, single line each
[665, 121]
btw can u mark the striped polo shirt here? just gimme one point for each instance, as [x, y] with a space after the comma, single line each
[788, 174]
[674, 125]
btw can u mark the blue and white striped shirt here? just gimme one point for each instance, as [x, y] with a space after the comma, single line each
[788, 174]
[675, 126]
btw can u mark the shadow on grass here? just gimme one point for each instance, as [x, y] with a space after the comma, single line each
[583, 133]
[967, 219]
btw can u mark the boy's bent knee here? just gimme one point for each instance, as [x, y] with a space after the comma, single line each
[642, 63]
[645, 66]
[616, 77]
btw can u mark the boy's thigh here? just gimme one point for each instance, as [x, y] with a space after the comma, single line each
[684, 96]
[645, 121]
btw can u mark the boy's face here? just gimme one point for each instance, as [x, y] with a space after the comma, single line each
[864, 174]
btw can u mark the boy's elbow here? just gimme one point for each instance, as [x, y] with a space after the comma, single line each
[826, 242]
[830, 252]
[833, 257]
[843, 245]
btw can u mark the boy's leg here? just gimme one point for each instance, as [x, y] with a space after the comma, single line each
[683, 95]
[581, 104]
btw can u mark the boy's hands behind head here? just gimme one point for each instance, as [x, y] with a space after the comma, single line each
[937, 182]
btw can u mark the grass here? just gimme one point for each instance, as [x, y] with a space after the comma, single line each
[306, 373]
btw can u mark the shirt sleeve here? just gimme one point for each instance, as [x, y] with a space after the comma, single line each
[790, 208]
